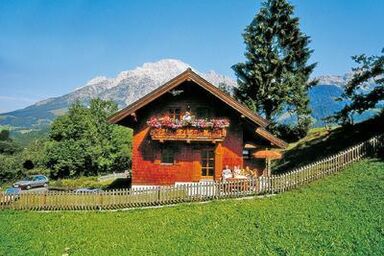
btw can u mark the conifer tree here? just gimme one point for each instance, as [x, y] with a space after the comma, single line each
[274, 79]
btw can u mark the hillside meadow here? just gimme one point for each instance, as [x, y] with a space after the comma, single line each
[339, 215]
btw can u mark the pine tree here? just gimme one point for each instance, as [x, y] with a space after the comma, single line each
[275, 76]
[226, 88]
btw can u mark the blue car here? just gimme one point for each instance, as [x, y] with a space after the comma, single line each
[10, 195]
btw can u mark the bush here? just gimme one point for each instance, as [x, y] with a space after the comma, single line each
[10, 168]
[38, 170]
[290, 133]
[380, 151]
[82, 182]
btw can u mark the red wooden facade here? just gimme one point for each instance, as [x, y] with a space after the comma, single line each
[163, 156]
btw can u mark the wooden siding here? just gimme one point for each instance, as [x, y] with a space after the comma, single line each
[146, 165]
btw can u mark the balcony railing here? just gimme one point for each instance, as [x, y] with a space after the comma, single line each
[188, 134]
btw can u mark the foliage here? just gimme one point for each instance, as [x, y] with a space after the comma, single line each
[28, 161]
[340, 215]
[275, 77]
[7, 146]
[82, 182]
[370, 69]
[82, 142]
[10, 168]
[380, 152]
[291, 133]
[226, 88]
[4, 135]
[35, 152]
[24, 139]
[37, 171]
[10, 164]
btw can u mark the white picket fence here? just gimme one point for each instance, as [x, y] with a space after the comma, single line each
[326, 166]
[191, 192]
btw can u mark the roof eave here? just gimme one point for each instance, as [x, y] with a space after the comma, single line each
[272, 138]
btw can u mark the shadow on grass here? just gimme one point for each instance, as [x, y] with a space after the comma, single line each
[120, 183]
[328, 143]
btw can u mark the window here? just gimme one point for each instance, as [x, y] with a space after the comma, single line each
[175, 113]
[38, 178]
[202, 112]
[207, 163]
[167, 155]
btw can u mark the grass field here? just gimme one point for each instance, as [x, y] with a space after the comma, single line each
[340, 215]
[323, 142]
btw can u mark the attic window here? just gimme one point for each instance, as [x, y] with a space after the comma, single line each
[175, 113]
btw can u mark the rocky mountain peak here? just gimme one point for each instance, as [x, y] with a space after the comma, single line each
[154, 70]
[339, 80]
[97, 80]
[130, 85]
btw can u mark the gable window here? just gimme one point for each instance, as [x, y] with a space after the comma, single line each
[175, 113]
[167, 155]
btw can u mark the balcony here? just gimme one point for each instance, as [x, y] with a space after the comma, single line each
[187, 129]
[188, 134]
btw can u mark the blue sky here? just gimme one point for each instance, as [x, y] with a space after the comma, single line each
[49, 48]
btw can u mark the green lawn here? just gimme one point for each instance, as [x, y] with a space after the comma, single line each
[322, 142]
[340, 215]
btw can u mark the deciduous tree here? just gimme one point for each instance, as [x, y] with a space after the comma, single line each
[370, 70]
[82, 142]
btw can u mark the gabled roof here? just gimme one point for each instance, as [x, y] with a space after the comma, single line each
[189, 75]
[272, 138]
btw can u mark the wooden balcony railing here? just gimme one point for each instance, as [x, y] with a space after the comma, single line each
[188, 134]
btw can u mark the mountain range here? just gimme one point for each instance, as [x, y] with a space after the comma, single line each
[131, 85]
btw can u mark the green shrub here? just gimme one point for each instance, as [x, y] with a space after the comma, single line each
[38, 170]
[291, 133]
[82, 182]
[10, 168]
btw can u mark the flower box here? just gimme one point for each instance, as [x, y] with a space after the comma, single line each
[169, 123]
[188, 134]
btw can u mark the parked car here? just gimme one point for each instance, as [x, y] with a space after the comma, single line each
[33, 181]
[87, 190]
[10, 195]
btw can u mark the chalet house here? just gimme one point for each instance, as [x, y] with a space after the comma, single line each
[188, 130]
